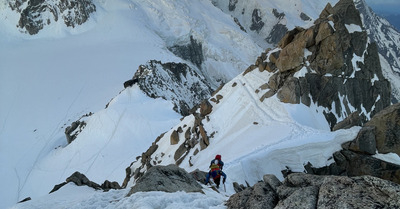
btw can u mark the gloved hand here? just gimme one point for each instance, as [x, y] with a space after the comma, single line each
[223, 181]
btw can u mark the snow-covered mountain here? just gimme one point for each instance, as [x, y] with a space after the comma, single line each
[65, 73]
[268, 21]
[251, 111]
[388, 42]
[54, 77]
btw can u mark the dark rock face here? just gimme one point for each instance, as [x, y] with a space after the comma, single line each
[232, 4]
[334, 72]
[278, 15]
[387, 129]
[169, 178]
[192, 52]
[176, 82]
[257, 23]
[277, 32]
[33, 16]
[386, 39]
[311, 191]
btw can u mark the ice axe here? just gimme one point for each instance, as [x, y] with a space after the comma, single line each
[224, 184]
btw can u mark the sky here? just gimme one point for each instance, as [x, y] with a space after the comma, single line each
[389, 6]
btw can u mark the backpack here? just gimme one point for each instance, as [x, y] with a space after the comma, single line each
[217, 162]
[216, 170]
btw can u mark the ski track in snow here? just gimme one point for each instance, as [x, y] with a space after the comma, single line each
[116, 125]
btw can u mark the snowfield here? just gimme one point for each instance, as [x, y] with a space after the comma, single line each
[50, 80]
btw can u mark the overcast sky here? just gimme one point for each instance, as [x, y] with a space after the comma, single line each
[392, 6]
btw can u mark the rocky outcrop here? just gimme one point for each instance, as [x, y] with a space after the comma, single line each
[36, 14]
[169, 178]
[205, 108]
[176, 82]
[261, 195]
[330, 64]
[311, 191]
[76, 127]
[72, 131]
[353, 119]
[381, 135]
[191, 138]
[81, 180]
[386, 128]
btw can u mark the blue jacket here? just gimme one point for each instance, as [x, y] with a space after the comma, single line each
[214, 175]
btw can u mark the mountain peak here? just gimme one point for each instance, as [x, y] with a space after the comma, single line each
[36, 14]
[327, 64]
[320, 70]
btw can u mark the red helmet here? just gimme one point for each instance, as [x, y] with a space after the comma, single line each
[218, 157]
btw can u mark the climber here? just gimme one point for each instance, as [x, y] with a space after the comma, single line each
[216, 172]
[217, 161]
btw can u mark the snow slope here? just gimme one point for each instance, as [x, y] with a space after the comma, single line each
[256, 138]
[72, 196]
[285, 135]
[49, 80]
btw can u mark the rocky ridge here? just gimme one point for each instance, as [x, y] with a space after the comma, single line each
[328, 64]
[268, 26]
[300, 71]
[387, 40]
[176, 82]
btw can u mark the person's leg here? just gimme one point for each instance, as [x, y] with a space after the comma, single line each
[207, 178]
[217, 180]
